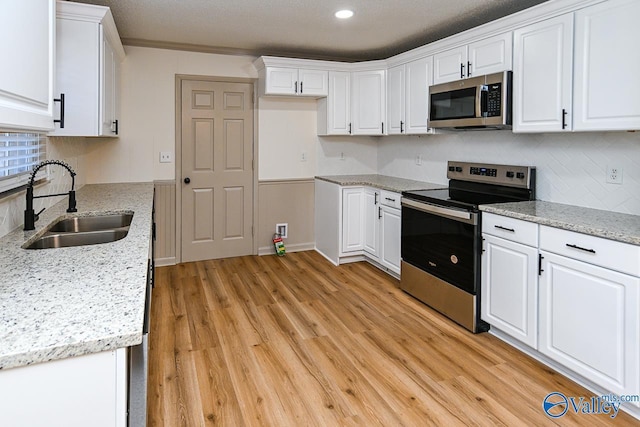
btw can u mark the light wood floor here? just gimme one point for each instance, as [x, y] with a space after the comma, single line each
[295, 341]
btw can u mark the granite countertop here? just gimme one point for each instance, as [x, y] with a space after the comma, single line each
[382, 182]
[59, 303]
[610, 225]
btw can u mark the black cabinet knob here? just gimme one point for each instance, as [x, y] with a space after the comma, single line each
[187, 180]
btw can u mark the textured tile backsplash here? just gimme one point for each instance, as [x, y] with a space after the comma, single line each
[571, 168]
[69, 150]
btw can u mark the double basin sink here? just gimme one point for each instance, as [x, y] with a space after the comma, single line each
[84, 230]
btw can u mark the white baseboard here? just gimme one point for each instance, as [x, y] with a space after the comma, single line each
[163, 262]
[270, 250]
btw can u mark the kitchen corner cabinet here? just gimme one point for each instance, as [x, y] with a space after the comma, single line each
[74, 392]
[334, 111]
[542, 76]
[390, 219]
[27, 74]
[606, 84]
[408, 97]
[368, 102]
[487, 56]
[509, 283]
[89, 52]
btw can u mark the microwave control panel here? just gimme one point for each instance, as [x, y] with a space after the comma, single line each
[494, 100]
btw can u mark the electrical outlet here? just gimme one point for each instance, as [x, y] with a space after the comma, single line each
[614, 175]
[303, 156]
[342, 157]
[282, 230]
[166, 157]
[418, 160]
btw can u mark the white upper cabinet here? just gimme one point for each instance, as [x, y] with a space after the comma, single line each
[542, 76]
[368, 102]
[28, 53]
[606, 84]
[334, 111]
[408, 97]
[89, 52]
[487, 56]
[296, 82]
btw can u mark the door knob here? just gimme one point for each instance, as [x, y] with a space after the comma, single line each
[187, 180]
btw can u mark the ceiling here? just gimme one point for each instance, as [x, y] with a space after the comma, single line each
[300, 28]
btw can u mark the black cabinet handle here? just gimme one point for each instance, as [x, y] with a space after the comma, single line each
[301, 86]
[581, 249]
[401, 123]
[375, 198]
[564, 118]
[468, 69]
[61, 119]
[390, 199]
[349, 128]
[187, 180]
[383, 128]
[115, 122]
[505, 228]
[296, 87]
[461, 71]
[540, 270]
[379, 212]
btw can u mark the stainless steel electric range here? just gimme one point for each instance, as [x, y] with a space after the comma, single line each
[441, 242]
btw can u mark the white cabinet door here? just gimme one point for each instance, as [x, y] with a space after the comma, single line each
[450, 65]
[418, 78]
[327, 219]
[589, 320]
[396, 100]
[368, 102]
[75, 392]
[27, 73]
[109, 91]
[371, 222]
[313, 82]
[491, 55]
[607, 87]
[352, 223]
[510, 288]
[281, 81]
[542, 76]
[334, 111]
[390, 238]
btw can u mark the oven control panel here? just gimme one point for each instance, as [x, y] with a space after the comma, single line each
[510, 175]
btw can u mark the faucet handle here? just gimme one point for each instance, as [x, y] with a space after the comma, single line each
[72, 202]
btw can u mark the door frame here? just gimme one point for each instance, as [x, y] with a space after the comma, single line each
[178, 153]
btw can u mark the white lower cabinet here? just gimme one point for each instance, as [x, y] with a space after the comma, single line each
[371, 222]
[390, 238]
[81, 391]
[352, 220]
[510, 288]
[589, 319]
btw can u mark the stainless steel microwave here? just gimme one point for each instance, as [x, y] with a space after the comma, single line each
[482, 102]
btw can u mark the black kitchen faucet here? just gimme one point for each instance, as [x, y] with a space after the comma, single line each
[30, 217]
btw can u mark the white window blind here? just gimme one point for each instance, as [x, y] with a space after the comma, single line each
[19, 153]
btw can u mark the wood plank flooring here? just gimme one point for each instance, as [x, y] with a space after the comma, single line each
[296, 341]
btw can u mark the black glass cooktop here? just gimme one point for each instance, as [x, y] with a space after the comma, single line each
[466, 195]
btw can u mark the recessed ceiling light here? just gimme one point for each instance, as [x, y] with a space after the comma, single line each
[344, 14]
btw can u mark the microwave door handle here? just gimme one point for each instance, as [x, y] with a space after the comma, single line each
[482, 101]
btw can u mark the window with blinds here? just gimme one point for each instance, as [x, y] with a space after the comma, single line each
[19, 153]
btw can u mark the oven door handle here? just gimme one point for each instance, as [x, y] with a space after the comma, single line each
[455, 214]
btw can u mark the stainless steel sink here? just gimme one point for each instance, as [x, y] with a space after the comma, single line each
[92, 223]
[84, 230]
[63, 240]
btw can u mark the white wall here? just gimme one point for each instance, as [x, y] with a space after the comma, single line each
[570, 167]
[347, 155]
[147, 124]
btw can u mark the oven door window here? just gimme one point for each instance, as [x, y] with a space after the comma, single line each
[455, 104]
[440, 246]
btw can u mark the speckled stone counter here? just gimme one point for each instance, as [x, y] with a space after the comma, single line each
[59, 303]
[382, 182]
[610, 225]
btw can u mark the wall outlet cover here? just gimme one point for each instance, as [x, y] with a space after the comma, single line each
[614, 175]
[166, 157]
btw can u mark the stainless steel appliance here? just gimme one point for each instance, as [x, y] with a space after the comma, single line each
[441, 241]
[482, 102]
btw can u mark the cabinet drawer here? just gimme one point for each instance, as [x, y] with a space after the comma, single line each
[618, 256]
[512, 229]
[389, 198]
